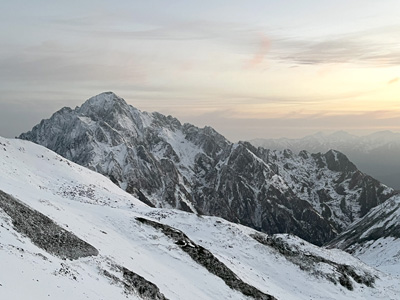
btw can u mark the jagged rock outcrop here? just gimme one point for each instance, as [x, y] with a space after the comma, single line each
[43, 232]
[310, 262]
[376, 154]
[206, 259]
[330, 182]
[169, 164]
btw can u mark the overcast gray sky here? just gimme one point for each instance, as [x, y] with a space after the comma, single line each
[247, 68]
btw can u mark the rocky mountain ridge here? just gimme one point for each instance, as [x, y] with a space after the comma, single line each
[168, 164]
[376, 154]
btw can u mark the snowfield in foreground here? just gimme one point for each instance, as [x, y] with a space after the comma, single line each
[154, 253]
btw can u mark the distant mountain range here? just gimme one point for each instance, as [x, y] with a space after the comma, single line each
[168, 164]
[377, 154]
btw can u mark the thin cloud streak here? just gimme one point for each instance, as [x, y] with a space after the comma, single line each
[372, 47]
[375, 47]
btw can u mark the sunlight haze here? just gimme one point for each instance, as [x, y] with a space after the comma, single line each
[247, 68]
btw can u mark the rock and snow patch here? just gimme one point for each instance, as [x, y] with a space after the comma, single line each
[43, 232]
[105, 217]
[375, 238]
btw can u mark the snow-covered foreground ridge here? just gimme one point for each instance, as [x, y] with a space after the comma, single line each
[127, 249]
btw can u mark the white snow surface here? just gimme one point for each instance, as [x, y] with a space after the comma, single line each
[97, 211]
[383, 253]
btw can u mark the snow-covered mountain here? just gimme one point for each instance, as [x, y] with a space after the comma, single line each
[330, 182]
[168, 164]
[376, 154]
[69, 233]
[375, 238]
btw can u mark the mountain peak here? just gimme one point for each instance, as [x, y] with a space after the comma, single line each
[385, 134]
[337, 161]
[104, 100]
[110, 108]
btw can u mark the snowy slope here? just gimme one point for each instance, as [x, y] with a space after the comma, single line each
[95, 210]
[375, 238]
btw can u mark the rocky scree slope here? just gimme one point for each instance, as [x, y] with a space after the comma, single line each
[168, 164]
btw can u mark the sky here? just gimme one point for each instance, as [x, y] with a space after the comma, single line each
[250, 69]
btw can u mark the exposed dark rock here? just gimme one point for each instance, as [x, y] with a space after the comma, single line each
[146, 289]
[205, 258]
[337, 161]
[43, 232]
[143, 198]
[308, 262]
[132, 282]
